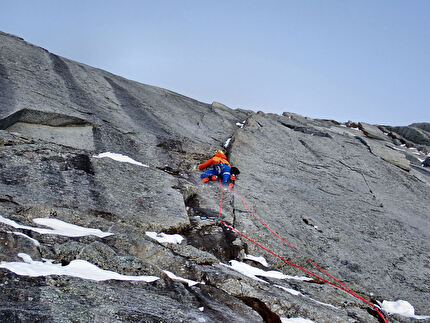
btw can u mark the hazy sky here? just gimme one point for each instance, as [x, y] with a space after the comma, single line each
[345, 60]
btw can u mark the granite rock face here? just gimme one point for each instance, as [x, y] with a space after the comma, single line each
[354, 200]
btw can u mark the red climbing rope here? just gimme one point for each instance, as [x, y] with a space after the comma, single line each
[314, 264]
[264, 224]
[341, 286]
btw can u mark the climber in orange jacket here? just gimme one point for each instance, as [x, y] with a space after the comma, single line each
[219, 167]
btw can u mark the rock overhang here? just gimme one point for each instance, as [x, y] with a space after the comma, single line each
[53, 127]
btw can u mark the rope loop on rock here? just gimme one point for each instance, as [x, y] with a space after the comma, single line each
[339, 284]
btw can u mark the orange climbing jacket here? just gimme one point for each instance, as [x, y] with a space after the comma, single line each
[219, 158]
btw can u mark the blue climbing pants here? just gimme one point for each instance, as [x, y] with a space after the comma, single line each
[221, 170]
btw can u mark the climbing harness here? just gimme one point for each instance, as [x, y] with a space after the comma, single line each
[339, 284]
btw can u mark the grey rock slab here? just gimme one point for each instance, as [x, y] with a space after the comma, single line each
[143, 196]
[339, 186]
[76, 137]
[350, 132]
[339, 197]
[144, 114]
[372, 131]
[389, 154]
[52, 127]
[70, 299]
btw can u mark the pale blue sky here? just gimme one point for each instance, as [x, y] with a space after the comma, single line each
[344, 60]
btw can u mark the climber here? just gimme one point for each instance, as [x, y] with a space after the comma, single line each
[219, 167]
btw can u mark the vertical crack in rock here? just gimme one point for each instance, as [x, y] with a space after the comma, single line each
[213, 238]
[228, 150]
[172, 133]
[364, 179]
[313, 152]
[360, 139]
[217, 240]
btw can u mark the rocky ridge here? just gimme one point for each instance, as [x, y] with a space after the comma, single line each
[352, 197]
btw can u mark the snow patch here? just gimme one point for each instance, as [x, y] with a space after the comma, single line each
[295, 320]
[120, 158]
[260, 260]
[253, 272]
[70, 230]
[201, 309]
[395, 148]
[240, 125]
[297, 293]
[180, 279]
[227, 143]
[76, 268]
[163, 237]
[402, 308]
[325, 304]
[289, 290]
[58, 227]
[37, 243]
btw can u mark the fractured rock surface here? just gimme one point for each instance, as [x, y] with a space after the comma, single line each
[355, 200]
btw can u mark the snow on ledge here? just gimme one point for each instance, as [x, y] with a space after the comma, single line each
[35, 242]
[58, 227]
[227, 143]
[163, 237]
[67, 229]
[77, 268]
[260, 260]
[295, 320]
[120, 158]
[172, 276]
[402, 308]
[253, 272]
[297, 293]
[289, 290]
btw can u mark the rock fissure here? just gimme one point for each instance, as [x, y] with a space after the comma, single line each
[306, 130]
[315, 169]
